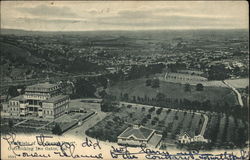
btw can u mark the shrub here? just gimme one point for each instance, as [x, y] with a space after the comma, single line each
[57, 129]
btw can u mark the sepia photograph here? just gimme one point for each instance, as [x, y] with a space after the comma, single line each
[124, 80]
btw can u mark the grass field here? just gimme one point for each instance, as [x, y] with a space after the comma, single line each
[173, 90]
[239, 83]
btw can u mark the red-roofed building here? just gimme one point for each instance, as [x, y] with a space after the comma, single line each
[138, 135]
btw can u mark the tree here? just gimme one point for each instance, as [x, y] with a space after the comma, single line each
[155, 83]
[160, 99]
[159, 111]
[144, 120]
[187, 87]
[153, 122]
[84, 88]
[129, 106]
[10, 123]
[12, 91]
[152, 109]
[247, 89]
[125, 97]
[149, 116]
[57, 129]
[199, 87]
[102, 93]
[218, 72]
[148, 82]
[108, 103]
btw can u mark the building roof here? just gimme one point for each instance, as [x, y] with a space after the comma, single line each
[56, 99]
[45, 85]
[137, 132]
[190, 134]
[155, 140]
[18, 98]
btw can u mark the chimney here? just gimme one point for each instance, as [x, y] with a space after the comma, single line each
[136, 126]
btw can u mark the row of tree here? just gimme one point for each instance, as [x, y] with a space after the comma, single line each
[162, 100]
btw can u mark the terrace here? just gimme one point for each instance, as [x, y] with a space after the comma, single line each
[33, 125]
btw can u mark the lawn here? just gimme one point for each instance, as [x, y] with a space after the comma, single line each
[239, 83]
[174, 91]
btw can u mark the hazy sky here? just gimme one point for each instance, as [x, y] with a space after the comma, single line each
[130, 15]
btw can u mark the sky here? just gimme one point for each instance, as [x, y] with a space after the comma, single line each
[123, 15]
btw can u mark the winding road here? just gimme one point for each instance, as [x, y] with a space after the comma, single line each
[236, 92]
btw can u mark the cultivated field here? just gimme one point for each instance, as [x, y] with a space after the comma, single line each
[170, 122]
[225, 130]
[222, 130]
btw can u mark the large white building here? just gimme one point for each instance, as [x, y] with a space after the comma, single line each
[42, 100]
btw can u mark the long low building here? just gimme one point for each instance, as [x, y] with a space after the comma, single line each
[40, 100]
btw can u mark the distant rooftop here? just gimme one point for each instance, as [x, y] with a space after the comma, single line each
[40, 86]
[19, 98]
[57, 98]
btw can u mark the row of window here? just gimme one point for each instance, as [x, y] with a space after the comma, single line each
[42, 89]
[60, 109]
[37, 93]
[48, 112]
[13, 103]
[14, 109]
[35, 96]
[60, 103]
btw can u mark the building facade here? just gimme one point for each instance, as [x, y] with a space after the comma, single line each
[42, 100]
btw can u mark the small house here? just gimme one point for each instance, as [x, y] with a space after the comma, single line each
[188, 137]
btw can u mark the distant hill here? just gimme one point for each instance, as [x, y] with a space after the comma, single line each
[135, 33]
[15, 31]
[16, 54]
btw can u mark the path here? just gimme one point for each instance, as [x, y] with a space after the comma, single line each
[204, 126]
[236, 92]
[90, 122]
[20, 122]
